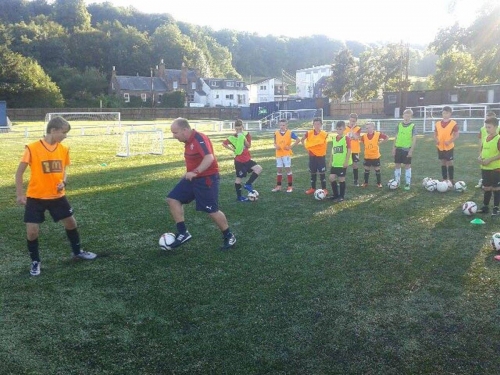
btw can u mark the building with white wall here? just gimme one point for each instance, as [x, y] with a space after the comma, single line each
[307, 78]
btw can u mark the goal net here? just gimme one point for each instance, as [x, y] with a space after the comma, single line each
[469, 117]
[141, 142]
[296, 117]
[108, 120]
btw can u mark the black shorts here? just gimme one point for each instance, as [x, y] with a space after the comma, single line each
[317, 164]
[338, 171]
[445, 155]
[34, 211]
[401, 157]
[243, 168]
[371, 162]
[355, 158]
[491, 178]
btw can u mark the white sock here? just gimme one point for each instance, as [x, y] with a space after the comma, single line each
[408, 176]
[397, 174]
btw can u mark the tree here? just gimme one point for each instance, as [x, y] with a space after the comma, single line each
[23, 83]
[72, 14]
[454, 68]
[343, 75]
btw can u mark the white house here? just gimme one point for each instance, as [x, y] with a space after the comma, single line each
[268, 90]
[222, 92]
[307, 78]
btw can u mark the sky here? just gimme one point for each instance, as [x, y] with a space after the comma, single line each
[407, 21]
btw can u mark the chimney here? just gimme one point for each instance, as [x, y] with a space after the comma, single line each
[161, 70]
[184, 70]
[113, 72]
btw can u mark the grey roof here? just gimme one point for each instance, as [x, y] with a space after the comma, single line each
[136, 83]
[201, 93]
[223, 83]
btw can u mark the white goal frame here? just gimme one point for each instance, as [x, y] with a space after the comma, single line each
[141, 142]
[469, 117]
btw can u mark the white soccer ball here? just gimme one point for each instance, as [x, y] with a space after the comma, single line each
[450, 184]
[392, 184]
[460, 186]
[495, 242]
[319, 194]
[480, 183]
[256, 193]
[425, 180]
[469, 208]
[166, 240]
[442, 186]
[431, 185]
[252, 196]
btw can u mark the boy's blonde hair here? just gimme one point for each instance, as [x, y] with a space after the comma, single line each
[408, 111]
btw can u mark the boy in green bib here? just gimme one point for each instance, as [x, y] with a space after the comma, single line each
[490, 166]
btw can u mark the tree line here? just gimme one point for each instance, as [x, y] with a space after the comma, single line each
[62, 53]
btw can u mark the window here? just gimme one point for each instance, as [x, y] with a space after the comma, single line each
[217, 96]
[190, 98]
[143, 97]
[239, 84]
[263, 87]
[193, 85]
[392, 99]
[160, 97]
[214, 84]
[453, 98]
[126, 96]
[241, 99]
[175, 85]
[230, 84]
[230, 96]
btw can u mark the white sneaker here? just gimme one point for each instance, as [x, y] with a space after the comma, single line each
[87, 255]
[35, 268]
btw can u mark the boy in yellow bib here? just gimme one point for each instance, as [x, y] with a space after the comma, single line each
[445, 134]
[341, 159]
[284, 141]
[490, 166]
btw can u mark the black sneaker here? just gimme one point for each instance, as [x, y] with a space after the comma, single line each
[333, 197]
[229, 242]
[495, 211]
[484, 210]
[339, 199]
[180, 238]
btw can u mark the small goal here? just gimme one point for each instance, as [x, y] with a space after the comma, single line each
[141, 142]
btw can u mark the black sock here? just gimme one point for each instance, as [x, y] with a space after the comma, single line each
[367, 176]
[74, 240]
[379, 177]
[252, 178]
[335, 188]
[444, 172]
[496, 198]
[451, 171]
[355, 172]
[313, 180]
[322, 179]
[342, 189]
[33, 250]
[237, 187]
[487, 197]
[181, 227]
[226, 232]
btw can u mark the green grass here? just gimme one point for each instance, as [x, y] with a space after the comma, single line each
[388, 282]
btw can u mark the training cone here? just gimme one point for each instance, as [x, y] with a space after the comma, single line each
[477, 221]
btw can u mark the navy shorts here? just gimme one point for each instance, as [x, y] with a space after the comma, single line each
[338, 171]
[372, 163]
[204, 190]
[401, 157]
[34, 211]
[491, 178]
[243, 168]
[445, 155]
[317, 164]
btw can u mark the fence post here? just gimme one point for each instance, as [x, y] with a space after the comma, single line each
[378, 125]
[26, 133]
[465, 125]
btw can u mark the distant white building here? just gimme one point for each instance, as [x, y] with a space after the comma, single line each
[222, 92]
[307, 78]
[268, 90]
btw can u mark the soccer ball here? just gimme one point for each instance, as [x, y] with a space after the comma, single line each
[431, 185]
[480, 183]
[256, 193]
[252, 196]
[450, 184]
[392, 184]
[425, 180]
[166, 240]
[469, 208]
[442, 186]
[460, 187]
[495, 242]
[319, 194]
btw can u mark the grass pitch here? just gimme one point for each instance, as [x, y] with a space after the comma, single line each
[387, 282]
